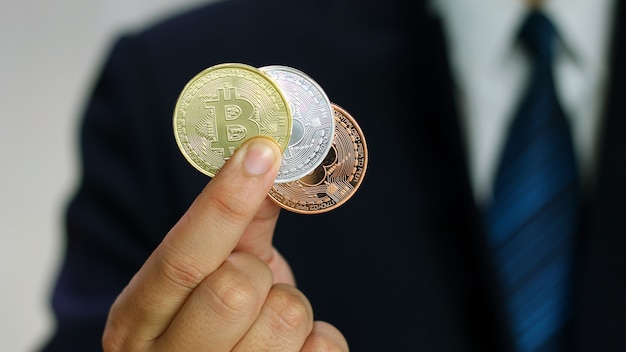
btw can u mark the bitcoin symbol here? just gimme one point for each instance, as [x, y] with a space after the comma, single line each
[226, 110]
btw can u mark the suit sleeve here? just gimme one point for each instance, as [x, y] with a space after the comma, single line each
[121, 207]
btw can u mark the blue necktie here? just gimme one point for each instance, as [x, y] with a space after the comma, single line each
[532, 218]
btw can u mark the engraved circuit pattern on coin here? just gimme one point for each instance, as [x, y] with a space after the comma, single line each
[313, 124]
[222, 107]
[338, 177]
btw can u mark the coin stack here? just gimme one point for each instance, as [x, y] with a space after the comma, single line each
[324, 150]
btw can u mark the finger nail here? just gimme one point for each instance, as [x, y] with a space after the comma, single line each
[260, 156]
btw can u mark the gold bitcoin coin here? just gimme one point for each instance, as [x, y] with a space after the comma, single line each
[222, 107]
[336, 179]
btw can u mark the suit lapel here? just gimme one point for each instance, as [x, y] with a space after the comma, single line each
[456, 219]
[601, 315]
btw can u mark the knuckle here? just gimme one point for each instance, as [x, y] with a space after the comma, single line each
[291, 308]
[111, 341]
[180, 272]
[231, 293]
[115, 338]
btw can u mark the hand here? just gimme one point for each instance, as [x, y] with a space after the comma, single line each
[216, 283]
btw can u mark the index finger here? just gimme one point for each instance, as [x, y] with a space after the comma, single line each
[201, 240]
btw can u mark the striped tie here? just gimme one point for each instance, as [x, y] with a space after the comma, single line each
[532, 217]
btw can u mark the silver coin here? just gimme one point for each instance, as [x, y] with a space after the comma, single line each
[313, 123]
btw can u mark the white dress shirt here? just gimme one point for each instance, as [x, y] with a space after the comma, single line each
[489, 73]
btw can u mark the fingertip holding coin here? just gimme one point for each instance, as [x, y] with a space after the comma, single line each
[260, 156]
[324, 154]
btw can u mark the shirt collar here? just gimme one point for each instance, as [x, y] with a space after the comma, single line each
[481, 33]
[586, 44]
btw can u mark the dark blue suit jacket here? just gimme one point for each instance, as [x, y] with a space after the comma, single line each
[401, 266]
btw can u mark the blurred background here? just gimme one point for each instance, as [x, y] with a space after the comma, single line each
[50, 52]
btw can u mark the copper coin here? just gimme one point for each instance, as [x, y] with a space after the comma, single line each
[336, 179]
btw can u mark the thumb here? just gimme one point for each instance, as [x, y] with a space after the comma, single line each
[257, 239]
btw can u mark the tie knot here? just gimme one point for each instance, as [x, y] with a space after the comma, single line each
[538, 35]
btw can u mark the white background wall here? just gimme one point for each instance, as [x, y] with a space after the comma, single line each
[49, 52]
